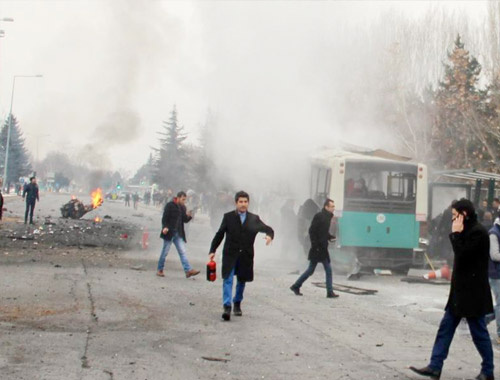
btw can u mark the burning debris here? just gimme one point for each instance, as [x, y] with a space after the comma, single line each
[75, 208]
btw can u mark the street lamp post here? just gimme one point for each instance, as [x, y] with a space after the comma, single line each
[9, 127]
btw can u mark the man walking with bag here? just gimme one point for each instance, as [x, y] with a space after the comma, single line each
[240, 228]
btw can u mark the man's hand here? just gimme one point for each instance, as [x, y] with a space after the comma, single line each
[269, 239]
[190, 214]
[164, 231]
[458, 224]
[211, 256]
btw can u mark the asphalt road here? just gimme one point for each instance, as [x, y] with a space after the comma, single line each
[101, 313]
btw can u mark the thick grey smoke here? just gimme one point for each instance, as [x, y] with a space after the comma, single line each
[286, 78]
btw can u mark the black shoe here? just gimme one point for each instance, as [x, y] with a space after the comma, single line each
[482, 376]
[331, 295]
[227, 313]
[426, 371]
[295, 290]
[237, 309]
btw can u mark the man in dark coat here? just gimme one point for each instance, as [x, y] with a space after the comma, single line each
[319, 233]
[174, 217]
[240, 228]
[30, 192]
[470, 295]
[494, 273]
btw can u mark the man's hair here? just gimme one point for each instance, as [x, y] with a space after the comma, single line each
[241, 194]
[181, 194]
[496, 200]
[327, 202]
[32, 178]
[465, 205]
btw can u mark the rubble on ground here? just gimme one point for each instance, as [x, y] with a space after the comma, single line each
[69, 233]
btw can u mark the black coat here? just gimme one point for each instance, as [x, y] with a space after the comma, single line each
[319, 233]
[30, 191]
[174, 217]
[470, 294]
[238, 247]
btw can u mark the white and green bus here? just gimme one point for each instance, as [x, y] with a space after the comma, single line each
[380, 205]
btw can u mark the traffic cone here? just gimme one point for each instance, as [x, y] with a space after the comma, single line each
[444, 272]
[145, 238]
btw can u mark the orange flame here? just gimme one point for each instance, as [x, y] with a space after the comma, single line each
[97, 219]
[97, 198]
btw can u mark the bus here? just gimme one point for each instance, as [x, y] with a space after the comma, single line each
[380, 206]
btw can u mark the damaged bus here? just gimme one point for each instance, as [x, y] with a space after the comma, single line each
[380, 206]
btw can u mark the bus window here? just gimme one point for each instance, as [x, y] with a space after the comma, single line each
[381, 186]
[321, 179]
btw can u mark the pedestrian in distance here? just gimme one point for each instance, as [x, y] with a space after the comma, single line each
[495, 208]
[135, 200]
[30, 193]
[240, 227]
[470, 294]
[319, 233]
[127, 199]
[174, 217]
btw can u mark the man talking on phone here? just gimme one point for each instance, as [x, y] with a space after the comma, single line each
[470, 295]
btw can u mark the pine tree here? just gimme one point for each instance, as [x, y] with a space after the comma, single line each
[18, 164]
[145, 173]
[171, 166]
[462, 126]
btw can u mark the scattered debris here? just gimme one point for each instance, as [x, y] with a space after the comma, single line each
[215, 359]
[75, 209]
[416, 276]
[348, 289]
[421, 280]
[70, 233]
[382, 272]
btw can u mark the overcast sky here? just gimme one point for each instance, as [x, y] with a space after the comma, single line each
[112, 70]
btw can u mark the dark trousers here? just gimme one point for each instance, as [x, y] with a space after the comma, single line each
[30, 207]
[480, 336]
[310, 270]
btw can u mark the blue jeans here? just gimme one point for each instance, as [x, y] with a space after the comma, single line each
[227, 290]
[480, 336]
[495, 287]
[181, 249]
[310, 270]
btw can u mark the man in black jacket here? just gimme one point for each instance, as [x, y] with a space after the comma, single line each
[319, 233]
[470, 295]
[240, 228]
[30, 192]
[174, 217]
[494, 273]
